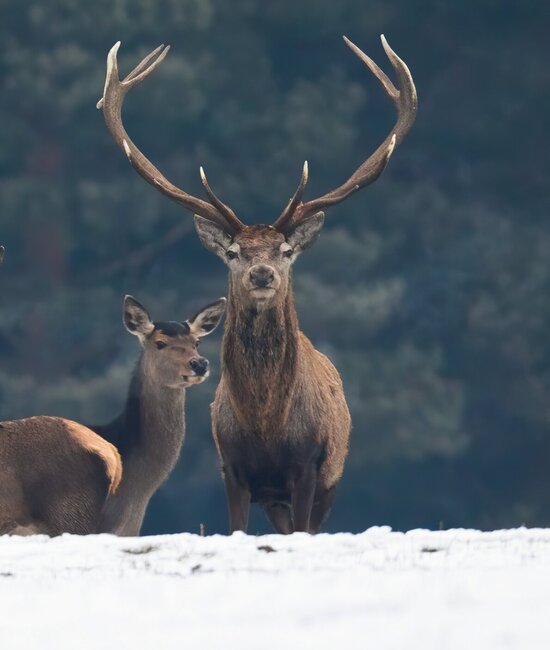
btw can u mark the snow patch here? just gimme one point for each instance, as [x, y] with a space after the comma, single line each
[429, 590]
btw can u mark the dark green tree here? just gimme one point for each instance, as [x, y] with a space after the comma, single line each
[428, 290]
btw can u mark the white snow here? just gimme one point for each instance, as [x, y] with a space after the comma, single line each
[455, 589]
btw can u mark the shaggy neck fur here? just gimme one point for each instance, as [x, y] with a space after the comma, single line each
[259, 361]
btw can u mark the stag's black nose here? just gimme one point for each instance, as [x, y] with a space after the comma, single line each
[199, 366]
[261, 276]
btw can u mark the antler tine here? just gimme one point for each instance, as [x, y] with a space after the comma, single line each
[111, 103]
[227, 212]
[405, 100]
[143, 64]
[140, 67]
[374, 67]
[294, 202]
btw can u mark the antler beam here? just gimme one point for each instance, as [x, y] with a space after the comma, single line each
[111, 103]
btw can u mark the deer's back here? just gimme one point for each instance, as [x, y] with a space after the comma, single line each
[56, 472]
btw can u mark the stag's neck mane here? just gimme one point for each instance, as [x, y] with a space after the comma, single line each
[260, 360]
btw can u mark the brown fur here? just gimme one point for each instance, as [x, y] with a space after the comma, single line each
[60, 476]
[105, 450]
[55, 476]
[280, 419]
[150, 431]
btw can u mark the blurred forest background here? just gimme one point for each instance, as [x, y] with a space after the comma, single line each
[429, 290]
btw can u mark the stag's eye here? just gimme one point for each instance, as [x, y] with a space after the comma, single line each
[160, 345]
[288, 253]
[232, 255]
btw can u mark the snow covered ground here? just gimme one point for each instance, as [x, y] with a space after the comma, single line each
[456, 589]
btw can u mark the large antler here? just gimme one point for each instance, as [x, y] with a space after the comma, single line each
[111, 103]
[405, 101]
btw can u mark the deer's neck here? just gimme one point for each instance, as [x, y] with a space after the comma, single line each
[152, 427]
[148, 434]
[260, 361]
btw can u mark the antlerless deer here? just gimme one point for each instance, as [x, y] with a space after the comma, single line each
[280, 420]
[149, 432]
[58, 476]
[55, 477]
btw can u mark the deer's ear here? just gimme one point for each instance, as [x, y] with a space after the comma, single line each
[207, 318]
[136, 318]
[305, 233]
[213, 237]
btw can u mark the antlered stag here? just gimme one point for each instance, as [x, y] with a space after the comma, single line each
[280, 420]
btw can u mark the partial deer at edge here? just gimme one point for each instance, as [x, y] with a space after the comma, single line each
[280, 420]
[55, 475]
[59, 476]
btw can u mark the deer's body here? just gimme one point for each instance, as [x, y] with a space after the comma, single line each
[280, 420]
[150, 431]
[59, 476]
[280, 413]
[55, 476]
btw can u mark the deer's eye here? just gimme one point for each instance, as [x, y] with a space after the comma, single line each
[232, 255]
[160, 345]
[287, 252]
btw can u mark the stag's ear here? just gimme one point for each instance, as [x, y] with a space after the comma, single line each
[207, 319]
[136, 318]
[212, 236]
[305, 233]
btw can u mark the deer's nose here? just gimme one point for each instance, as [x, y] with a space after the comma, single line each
[261, 276]
[199, 366]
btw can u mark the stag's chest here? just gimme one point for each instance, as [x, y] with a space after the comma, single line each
[263, 437]
[259, 413]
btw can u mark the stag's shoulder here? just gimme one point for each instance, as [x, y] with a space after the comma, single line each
[317, 361]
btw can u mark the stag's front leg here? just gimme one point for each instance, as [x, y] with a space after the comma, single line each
[303, 493]
[238, 500]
